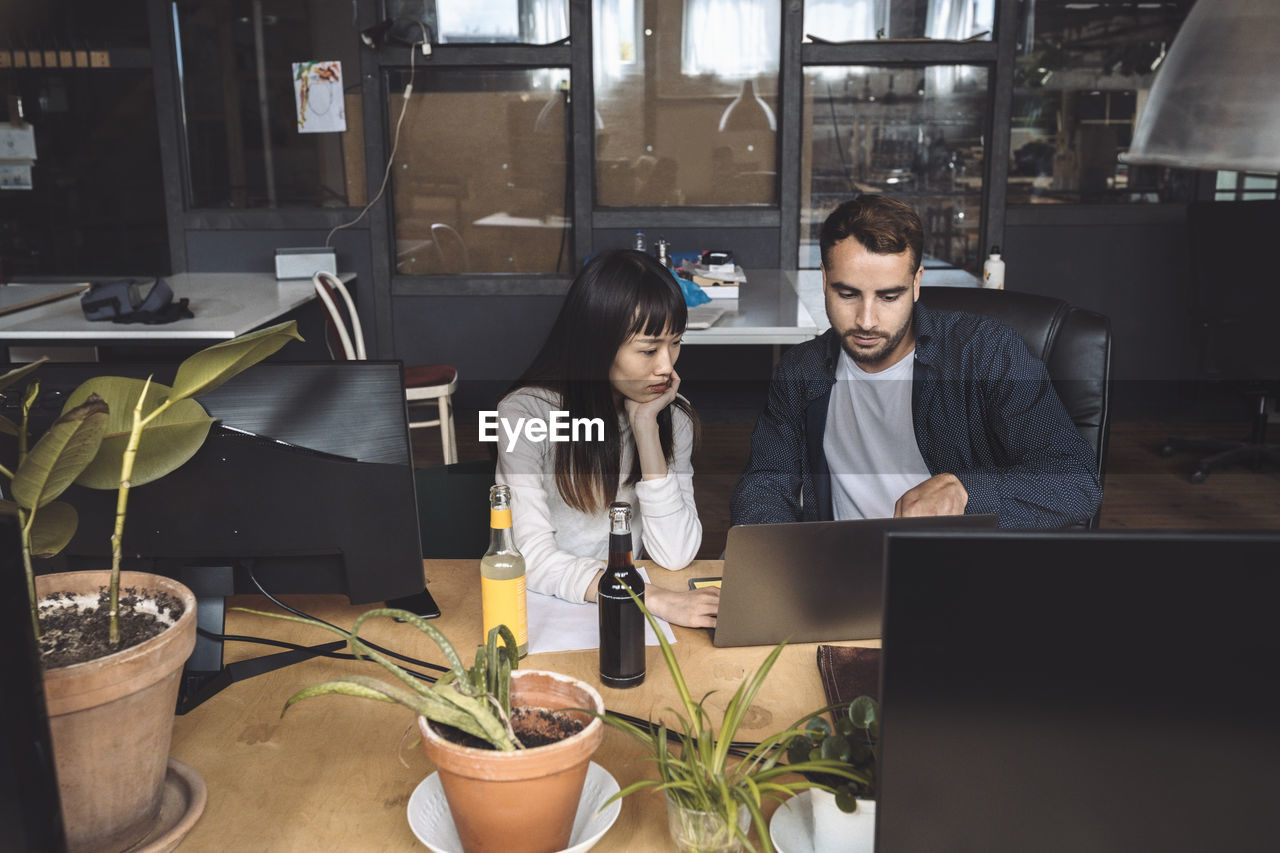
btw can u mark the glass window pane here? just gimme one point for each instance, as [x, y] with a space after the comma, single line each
[488, 21]
[1083, 74]
[1253, 181]
[233, 161]
[686, 101]
[914, 132]
[863, 20]
[478, 177]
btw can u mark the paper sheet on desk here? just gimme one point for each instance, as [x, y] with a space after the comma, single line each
[556, 625]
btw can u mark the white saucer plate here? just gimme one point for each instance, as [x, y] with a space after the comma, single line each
[431, 822]
[791, 827]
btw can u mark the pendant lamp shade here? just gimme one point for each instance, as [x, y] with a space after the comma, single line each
[1215, 103]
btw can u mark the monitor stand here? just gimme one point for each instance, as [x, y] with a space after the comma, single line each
[205, 675]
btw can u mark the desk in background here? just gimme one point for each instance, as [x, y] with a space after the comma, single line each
[224, 304]
[781, 307]
[769, 310]
[502, 219]
[329, 776]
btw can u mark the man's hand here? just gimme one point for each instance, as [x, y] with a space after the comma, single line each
[940, 495]
[694, 609]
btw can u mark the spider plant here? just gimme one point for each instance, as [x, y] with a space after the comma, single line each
[712, 774]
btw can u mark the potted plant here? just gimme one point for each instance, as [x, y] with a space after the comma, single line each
[714, 790]
[111, 703]
[479, 727]
[843, 809]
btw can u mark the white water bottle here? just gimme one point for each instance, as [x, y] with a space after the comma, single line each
[638, 243]
[993, 270]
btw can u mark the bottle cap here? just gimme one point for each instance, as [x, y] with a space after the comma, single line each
[995, 250]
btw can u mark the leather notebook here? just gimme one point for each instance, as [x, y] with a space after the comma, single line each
[849, 672]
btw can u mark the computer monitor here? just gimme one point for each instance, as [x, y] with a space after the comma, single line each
[305, 486]
[1069, 692]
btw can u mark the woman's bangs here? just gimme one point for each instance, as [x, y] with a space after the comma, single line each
[661, 309]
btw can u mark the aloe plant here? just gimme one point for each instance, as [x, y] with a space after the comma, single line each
[476, 701]
[97, 442]
[706, 775]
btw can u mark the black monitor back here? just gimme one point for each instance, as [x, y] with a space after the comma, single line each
[319, 498]
[1099, 692]
[30, 809]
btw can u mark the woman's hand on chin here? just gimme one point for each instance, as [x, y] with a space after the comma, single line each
[647, 412]
[693, 608]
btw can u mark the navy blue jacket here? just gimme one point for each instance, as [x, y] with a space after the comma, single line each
[984, 410]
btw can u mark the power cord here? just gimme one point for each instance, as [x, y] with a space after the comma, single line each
[425, 44]
[296, 612]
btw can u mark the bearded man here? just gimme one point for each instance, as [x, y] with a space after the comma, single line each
[899, 410]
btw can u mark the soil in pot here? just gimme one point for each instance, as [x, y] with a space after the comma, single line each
[533, 726]
[73, 628]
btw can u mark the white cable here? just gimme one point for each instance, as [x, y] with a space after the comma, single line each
[395, 143]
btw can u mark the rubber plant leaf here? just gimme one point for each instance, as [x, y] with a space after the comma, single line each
[20, 373]
[167, 442]
[52, 528]
[61, 454]
[214, 365]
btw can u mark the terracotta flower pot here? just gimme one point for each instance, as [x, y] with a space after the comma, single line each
[112, 720]
[524, 799]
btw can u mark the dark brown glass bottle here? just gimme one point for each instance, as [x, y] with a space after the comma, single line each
[621, 622]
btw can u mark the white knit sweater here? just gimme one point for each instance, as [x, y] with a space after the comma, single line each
[564, 548]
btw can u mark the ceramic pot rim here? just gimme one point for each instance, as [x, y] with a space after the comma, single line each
[594, 730]
[83, 685]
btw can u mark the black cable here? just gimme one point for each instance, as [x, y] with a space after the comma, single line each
[568, 179]
[265, 641]
[835, 127]
[278, 603]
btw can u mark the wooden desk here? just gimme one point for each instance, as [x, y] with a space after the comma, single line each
[224, 304]
[335, 775]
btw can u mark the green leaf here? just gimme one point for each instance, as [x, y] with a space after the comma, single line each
[7, 427]
[52, 528]
[836, 748]
[20, 373]
[863, 711]
[167, 442]
[818, 727]
[214, 365]
[61, 454]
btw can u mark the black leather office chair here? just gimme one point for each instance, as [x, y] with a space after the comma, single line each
[1234, 307]
[1073, 343]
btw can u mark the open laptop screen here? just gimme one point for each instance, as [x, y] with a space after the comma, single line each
[1059, 692]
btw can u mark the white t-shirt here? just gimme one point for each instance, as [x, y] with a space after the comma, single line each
[870, 440]
[564, 548]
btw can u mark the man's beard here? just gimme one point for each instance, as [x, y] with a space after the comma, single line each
[881, 352]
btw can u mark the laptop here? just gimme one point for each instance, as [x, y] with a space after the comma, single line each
[811, 581]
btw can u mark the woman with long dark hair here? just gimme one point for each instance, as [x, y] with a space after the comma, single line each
[609, 359]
